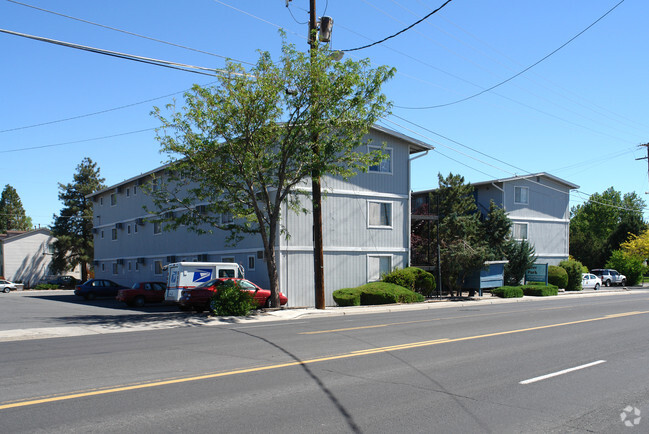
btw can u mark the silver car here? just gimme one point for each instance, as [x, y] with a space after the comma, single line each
[6, 286]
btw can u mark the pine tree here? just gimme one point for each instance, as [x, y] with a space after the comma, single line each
[73, 227]
[12, 213]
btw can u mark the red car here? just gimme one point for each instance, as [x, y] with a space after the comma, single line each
[198, 298]
[142, 293]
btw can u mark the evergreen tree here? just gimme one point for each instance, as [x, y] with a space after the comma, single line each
[73, 227]
[12, 213]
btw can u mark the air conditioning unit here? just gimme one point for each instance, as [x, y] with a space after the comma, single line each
[169, 214]
[120, 262]
[171, 258]
[141, 181]
[95, 262]
[141, 261]
[118, 189]
[140, 221]
[95, 230]
[118, 225]
[261, 254]
[203, 258]
[201, 209]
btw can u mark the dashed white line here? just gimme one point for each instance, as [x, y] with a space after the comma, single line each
[565, 371]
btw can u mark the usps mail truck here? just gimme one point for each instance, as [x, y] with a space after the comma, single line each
[187, 275]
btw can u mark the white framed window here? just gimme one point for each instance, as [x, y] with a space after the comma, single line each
[377, 266]
[137, 266]
[103, 267]
[157, 228]
[101, 201]
[385, 166]
[115, 268]
[128, 229]
[113, 199]
[113, 234]
[130, 265]
[157, 268]
[135, 227]
[519, 231]
[128, 192]
[522, 195]
[102, 234]
[134, 190]
[227, 258]
[379, 214]
[251, 263]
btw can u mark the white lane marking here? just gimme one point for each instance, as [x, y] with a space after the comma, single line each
[565, 371]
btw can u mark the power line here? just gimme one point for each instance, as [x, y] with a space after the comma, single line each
[519, 73]
[125, 31]
[157, 62]
[402, 30]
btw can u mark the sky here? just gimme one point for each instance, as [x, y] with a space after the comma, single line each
[519, 86]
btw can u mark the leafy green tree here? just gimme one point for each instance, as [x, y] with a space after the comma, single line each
[73, 226]
[12, 213]
[629, 264]
[521, 256]
[601, 224]
[246, 145]
[497, 231]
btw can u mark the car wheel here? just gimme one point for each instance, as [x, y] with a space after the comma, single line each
[139, 301]
[607, 282]
[623, 282]
[596, 286]
[6, 290]
[268, 302]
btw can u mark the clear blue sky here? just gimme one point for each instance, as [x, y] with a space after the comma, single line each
[579, 115]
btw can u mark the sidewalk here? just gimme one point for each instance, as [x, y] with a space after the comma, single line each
[286, 314]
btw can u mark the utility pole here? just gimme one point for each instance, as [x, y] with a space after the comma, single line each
[318, 255]
[646, 145]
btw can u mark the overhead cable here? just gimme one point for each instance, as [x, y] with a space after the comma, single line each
[519, 73]
[125, 31]
[400, 31]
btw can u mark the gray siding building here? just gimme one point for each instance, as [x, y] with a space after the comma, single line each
[25, 256]
[366, 230]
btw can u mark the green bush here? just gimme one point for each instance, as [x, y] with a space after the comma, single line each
[46, 286]
[413, 278]
[375, 293]
[573, 268]
[347, 297]
[557, 276]
[632, 266]
[230, 300]
[508, 291]
[540, 290]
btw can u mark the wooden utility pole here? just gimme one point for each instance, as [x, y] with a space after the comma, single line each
[646, 146]
[318, 255]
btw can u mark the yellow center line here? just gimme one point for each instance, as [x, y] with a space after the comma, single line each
[358, 353]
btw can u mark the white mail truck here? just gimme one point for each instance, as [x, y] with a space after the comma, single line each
[187, 275]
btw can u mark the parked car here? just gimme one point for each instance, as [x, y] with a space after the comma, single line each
[98, 288]
[6, 286]
[142, 293]
[609, 277]
[198, 298]
[590, 281]
[64, 281]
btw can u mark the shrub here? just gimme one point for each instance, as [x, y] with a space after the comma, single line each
[230, 300]
[540, 290]
[375, 293]
[413, 278]
[573, 268]
[630, 265]
[508, 291]
[557, 276]
[347, 297]
[46, 286]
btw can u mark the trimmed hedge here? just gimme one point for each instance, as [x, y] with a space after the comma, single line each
[574, 269]
[557, 276]
[375, 293]
[508, 291]
[413, 278]
[42, 286]
[540, 291]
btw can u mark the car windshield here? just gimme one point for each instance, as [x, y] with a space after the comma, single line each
[206, 284]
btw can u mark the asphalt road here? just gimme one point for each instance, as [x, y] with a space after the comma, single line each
[566, 365]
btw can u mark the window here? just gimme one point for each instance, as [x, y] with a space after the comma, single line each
[385, 166]
[102, 234]
[135, 228]
[98, 220]
[101, 201]
[157, 267]
[134, 190]
[130, 266]
[519, 231]
[113, 199]
[103, 267]
[377, 266]
[137, 266]
[157, 228]
[379, 214]
[521, 195]
[226, 273]
[128, 229]
[226, 218]
[128, 192]
[251, 263]
[113, 234]
[115, 267]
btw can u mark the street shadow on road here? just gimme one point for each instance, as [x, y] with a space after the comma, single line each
[135, 320]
